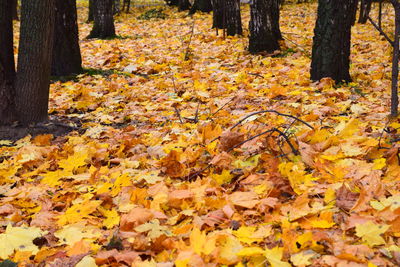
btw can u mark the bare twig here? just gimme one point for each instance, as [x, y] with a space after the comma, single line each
[190, 41]
[271, 111]
[219, 109]
[178, 114]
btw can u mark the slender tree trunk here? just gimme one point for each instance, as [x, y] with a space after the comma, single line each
[66, 58]
[34, 60]
[233, 18]
[365, 8]
[117, 7]
[263, 36]
[201, 5]
[103, 26]
[91, 11]
[331, 43]
[7, 65]
[184, 5]
[395, 63]
[15, 9]
[218, 14]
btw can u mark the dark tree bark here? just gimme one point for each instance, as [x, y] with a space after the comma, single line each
[66, 58]
[91, 11]
[116, 7]
[233, 18]
[394, 105]
[331, 43]
[275, 12]
[103, 26]
[15, 9]
[34, 60]
[126, 6]
[184, 5]
[218, 14]
[201, 5]
[7, 65]
[365, 8]
[263, 36]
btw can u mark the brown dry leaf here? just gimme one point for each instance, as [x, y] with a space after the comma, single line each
[244, 199]
[135, 217]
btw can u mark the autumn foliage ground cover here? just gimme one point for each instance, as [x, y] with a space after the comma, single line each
[122, 189]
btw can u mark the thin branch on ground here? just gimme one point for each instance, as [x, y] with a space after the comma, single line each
[271, 111]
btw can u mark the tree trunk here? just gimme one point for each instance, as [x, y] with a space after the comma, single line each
[34, 60]
[263, 36]
[365, 8]
[184, 5]
[126, 6]
[91, 11]
[7, 65]
[394, 105]
[117, 7]
[66, 58]
[103, 26]
[218, 14]
[201, 5]
[233, 18]
[331, 43]
[275, 13]
[15, 9]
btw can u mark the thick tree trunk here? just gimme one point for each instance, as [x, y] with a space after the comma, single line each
[233, 18]
[7, 65]
[103, 26]
[34, 60]
[66, 58]
[263, 36]
[218, 14]
[365, 8]
[331, 43]
[275, 14]
[15, 9]
[201, 5]
[91, 11]
[184, 5]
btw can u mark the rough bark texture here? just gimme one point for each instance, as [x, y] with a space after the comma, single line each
[34, 60]
[331, 43]
[184, 5]
[218, 14]
[103, 26]
[201, 5]
[7, 65]
[233, 18]
[91, 11]
[365, 8]
[263, 36]
[66, 58]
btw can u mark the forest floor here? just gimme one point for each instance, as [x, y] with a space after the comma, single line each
[161, 169]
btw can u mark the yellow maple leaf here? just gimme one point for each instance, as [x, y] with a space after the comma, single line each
[379, 164]
[197, 240]
[112, 217]
[302, 258]
[86, 261]
[274, 256]
[18, 239]
[370, 233]
[78, 212]
[73, 233]
[250, 252]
